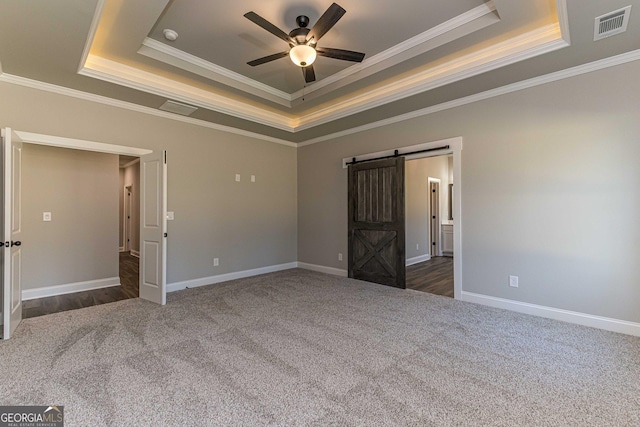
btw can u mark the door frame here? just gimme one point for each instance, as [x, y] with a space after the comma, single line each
[434, 236]
[455, 149]
[78, 144]
[126, 218]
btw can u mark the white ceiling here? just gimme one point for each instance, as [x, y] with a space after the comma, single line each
[419, 53]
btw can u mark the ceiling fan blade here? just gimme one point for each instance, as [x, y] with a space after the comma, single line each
[309, 74]
[260, 21]
[326, 22]
[269, 58]
[345, 55]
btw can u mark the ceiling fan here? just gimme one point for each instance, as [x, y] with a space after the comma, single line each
[303, 41]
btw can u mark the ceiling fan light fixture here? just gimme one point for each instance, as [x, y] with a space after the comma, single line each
[302, 55]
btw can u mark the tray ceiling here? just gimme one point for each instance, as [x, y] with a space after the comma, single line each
[417, 52]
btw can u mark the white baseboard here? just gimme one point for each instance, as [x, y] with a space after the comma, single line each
[606, 323]
[135, 253]
[69, 288]
[323, 269]
[121, 249]
[178, 286]
[418, 259]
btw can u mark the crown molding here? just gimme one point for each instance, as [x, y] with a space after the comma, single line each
[450, 30]
[93, 29]
[73, 93]
[170, 55]
[525, 84]
[528, 45]
[525, 46]
[417, 45]
[134, 78]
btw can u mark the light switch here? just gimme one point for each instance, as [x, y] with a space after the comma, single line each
[237, 177]
[46, 216]
[253, 178]
[170, 216]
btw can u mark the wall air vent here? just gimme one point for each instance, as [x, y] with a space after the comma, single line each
[611, 23]
[178, 108]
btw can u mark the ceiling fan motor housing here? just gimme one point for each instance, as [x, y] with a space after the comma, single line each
[300, 33]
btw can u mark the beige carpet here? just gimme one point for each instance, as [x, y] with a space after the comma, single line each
[304, 348]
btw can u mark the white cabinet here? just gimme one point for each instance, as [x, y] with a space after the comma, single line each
[447, 239]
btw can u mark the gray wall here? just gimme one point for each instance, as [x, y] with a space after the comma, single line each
[417, 174]
[246, 225]
[80, 189]
[550, 191]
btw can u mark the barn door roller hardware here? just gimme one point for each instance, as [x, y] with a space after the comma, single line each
[396, 153]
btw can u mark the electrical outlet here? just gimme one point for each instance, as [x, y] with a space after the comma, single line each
[237, 177]
[417, 246]
[46, 216]
[513, 281]
[253, 178]
[340, 257]
[216, 262]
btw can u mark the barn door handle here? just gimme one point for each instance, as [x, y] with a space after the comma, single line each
[17, 243]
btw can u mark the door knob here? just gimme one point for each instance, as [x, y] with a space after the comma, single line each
[17, 243]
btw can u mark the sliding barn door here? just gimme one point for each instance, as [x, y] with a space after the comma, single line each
[153, 227]
[12, 212]
[377, 222]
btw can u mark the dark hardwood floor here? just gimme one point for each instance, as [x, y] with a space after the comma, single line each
[128, 289]
[434, 276]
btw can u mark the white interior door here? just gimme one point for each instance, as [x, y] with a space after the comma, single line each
[153, 227]
[12, 245]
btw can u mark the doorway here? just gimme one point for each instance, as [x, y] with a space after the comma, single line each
[432, 239]
[427, 267]
[153, 184]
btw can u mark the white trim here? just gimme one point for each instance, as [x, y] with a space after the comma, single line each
[69, 288]
[121, 249]
[606, 323]
[134, 78]
[414, 46]
[537, 42]
[185, 61]
[93, 29]
[563, 19]
[418, 259]
[323, 269]
[525, 84]
[60, 90]
[204, 281]
[135, 253]
[503, 90]
[453, 29]
[438, 238]
[80, 144]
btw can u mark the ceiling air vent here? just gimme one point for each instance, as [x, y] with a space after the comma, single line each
[178, 108]
[611, 23]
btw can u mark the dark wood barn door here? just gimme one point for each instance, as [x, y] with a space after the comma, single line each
[377, 222]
